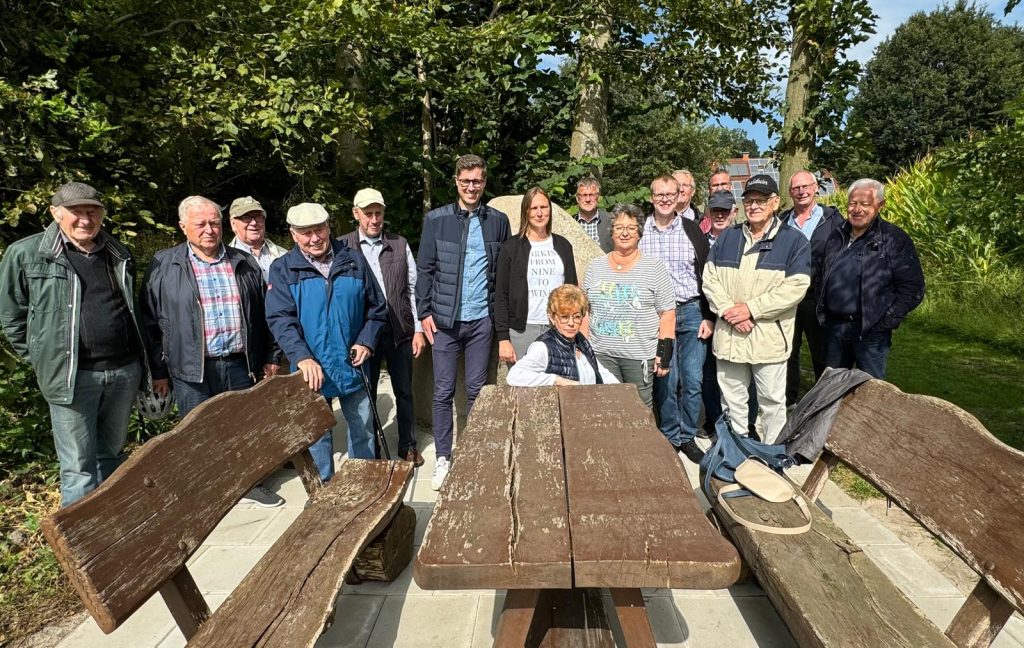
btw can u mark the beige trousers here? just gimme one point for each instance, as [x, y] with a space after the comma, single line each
[770, 382]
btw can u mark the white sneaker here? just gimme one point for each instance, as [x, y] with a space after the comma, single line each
[441, 468]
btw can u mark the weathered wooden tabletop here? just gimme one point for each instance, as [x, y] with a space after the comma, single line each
[561, 487]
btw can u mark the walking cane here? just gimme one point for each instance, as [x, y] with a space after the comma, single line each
[378, 430]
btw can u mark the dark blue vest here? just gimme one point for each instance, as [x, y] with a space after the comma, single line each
[562, 355]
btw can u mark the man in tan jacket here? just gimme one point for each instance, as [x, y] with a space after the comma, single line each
[755, 276]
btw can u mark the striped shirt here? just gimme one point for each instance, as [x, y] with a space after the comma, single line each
[220, 303]
[673, 246]
[626, 306]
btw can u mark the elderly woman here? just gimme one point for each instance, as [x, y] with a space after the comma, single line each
[561, 356]
[530, 266]
[633, 306]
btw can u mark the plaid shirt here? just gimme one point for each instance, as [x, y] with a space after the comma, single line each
[220, 303]
[323, 266]
[672, 246]
[591, 227]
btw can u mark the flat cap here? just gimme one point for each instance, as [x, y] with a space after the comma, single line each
[76, 193]
[307, 215]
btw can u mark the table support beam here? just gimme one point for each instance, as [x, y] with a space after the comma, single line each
[632, 613]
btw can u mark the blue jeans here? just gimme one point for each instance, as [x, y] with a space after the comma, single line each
[474, 340]
[845, 347]
[229, 373]
[356, 409]
[677, 396]
[89, 433]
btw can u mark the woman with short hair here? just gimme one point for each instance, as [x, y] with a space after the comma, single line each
[633, 306]
[562, 355]
[530, 266]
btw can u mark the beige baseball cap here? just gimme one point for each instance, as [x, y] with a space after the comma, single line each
[367, 197]
[307, 215]
[241, 206]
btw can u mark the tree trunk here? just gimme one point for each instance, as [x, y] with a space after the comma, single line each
[797, 133]
[590, 124]
[426, 131]
[351, 148]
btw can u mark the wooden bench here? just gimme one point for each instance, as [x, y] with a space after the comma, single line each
[941, 466]
[132, 536]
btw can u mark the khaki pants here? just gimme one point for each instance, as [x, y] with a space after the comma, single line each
[770, 382]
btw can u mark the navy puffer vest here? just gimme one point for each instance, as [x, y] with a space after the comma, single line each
[562, 355]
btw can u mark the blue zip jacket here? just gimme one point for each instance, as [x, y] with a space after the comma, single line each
[313, 317]
[442, 256]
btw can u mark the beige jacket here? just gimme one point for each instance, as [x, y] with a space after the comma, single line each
[770, 276]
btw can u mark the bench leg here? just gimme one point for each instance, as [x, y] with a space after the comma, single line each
[516, 618]
[632, 613]
[980, 619]
[185, 602]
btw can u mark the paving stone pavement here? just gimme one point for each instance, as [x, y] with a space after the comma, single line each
[376, 615]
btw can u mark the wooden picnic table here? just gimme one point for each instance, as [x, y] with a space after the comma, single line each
[557, 492]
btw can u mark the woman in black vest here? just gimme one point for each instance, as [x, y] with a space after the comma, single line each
[562, 355]
[530, 266]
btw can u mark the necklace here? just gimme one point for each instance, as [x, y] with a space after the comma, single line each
[618, 264]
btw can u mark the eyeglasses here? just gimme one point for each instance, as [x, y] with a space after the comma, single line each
[756, 202]
[469, 183]
[803, 187]
[245, 218]
[665, 196]
[686, 185]
[575, 318]
[625, 229]
[587, 195]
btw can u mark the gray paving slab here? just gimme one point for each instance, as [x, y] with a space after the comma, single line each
[421, 621]
[910, 572]
[731, 622]
[353, 622]
[864, 528]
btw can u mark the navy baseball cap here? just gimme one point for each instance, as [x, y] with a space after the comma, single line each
[721, 200]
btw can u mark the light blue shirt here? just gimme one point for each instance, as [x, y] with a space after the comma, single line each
[473, 298]
[808, 228]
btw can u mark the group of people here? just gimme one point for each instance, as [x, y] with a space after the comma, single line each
[214, 317]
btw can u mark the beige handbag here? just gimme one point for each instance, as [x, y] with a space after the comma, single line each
[756, 477]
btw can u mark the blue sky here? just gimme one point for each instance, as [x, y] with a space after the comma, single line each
[890, 16]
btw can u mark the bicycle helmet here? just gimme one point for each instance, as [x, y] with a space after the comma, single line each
[151, 405]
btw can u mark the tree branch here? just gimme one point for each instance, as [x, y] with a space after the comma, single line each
[171, 25]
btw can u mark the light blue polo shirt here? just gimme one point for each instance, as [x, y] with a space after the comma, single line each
[473, 297]
[808, 229]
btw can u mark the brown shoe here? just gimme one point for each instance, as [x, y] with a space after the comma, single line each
[414, 456]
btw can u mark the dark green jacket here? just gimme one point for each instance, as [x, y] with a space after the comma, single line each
[41, 305]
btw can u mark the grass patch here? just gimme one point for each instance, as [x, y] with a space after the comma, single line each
[33, 590]
[940, 360]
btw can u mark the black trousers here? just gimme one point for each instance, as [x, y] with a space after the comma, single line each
[806, 325]
[399, 361]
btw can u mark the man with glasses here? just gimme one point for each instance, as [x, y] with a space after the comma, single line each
[720, 181]
[679, 243]
[458, 257]
[203, 309]
[249, 223]
[687, 187]
[595, 221]
[756, 275]
[816, 222]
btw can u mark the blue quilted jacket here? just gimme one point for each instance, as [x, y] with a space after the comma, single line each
[442, 254]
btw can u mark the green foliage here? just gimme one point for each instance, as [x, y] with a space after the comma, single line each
[938, 77]
[24, 416]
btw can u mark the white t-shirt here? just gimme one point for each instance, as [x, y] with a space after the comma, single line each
[544, 272]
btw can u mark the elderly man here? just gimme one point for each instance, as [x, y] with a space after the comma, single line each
[249, 223]
[66, 307]
[390, 260]
[326, 312]
[203, 311]
[458, 258]
[720, 180]
[756, 275]
[596, 222]
[687, 187]
[870, 279]
[816, 222]
[679, 243]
